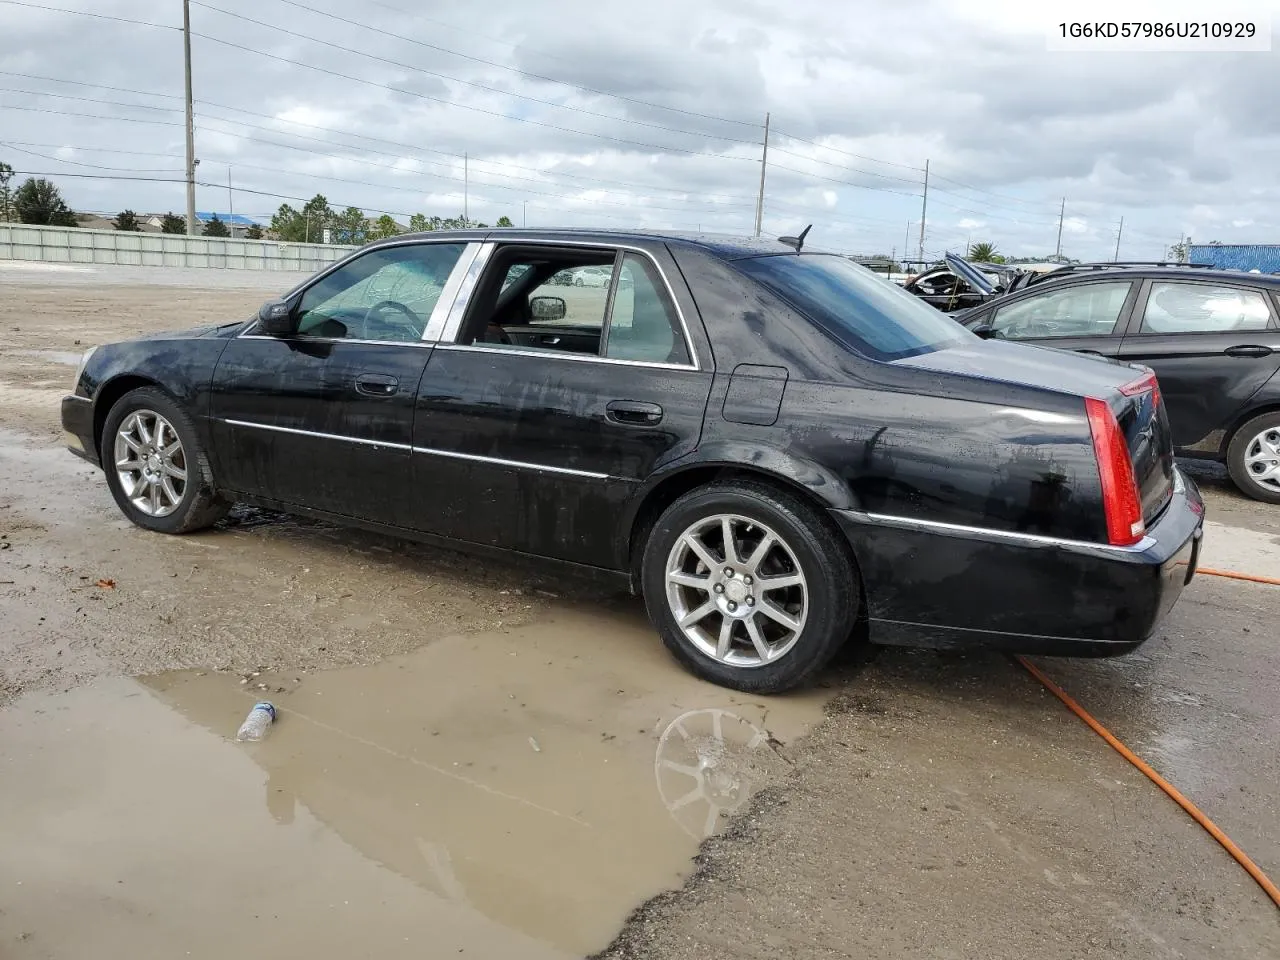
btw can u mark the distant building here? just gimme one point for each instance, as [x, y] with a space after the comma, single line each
[236, 223]
[1263, 257]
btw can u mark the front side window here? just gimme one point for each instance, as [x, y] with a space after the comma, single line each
[1081, 310]
[386, 294]
[1181, 307]
[873, 315]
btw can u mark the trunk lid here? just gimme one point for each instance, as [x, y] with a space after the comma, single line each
[1133, 399]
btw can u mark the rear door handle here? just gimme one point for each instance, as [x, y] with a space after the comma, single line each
[1092, 353]
[1248, 350]
[377, 385]
[634, 412]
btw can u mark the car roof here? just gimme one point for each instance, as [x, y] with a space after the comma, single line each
[1192, 275]
[725, 246]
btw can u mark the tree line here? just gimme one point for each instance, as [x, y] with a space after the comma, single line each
[38, 201]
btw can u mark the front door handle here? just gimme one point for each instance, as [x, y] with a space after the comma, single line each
[634, 412]
[377, 385]
[1248, 350]
[1091, 353]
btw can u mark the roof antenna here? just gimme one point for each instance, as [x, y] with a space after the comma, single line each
[796, 242]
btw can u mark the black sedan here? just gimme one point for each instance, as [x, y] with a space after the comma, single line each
[1212, 337]
[779, 449]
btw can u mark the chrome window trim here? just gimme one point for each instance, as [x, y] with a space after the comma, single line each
[501, 349]
[1015, 536]
[460, 305]
[466, 287]
[440, 313]
[428, 451]
[384, 343]
[312, 280]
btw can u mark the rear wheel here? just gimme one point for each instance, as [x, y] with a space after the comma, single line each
[1253, 458]
[749, 586]
[155, 466]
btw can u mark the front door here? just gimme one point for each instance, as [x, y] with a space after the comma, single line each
[555, 399]
[1212, 347]
[323, 417]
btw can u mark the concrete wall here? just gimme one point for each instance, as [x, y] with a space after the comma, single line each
[73, 245]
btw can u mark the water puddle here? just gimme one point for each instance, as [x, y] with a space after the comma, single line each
[504, 794]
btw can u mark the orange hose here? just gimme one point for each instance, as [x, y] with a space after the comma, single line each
[1251, 577]
[1240, 857]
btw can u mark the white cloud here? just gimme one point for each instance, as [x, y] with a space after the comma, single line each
[1171, 142]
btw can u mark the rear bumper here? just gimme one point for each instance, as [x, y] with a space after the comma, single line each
[77, 427]
[940, 585]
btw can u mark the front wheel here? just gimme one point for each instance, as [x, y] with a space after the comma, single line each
[749, 586]
[1253, 458]
[155, 467]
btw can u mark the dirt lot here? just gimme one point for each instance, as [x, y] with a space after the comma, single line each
[470, 760]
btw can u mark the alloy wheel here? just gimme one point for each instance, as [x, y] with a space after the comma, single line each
[150, 463]
[737, 591]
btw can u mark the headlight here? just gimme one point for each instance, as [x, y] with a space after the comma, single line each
[84, 361]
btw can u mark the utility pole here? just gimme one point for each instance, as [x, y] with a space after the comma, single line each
[231, 203]
[1057, 253]
[906, 243]
[466, 189]
[524, 217]
[764, 161]
[191, 130]
[1116, 258]
[924, 210]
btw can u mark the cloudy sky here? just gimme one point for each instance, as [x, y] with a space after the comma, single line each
[620, 114]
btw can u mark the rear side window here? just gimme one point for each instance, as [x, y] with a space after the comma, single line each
[873, 315]
[1179, 307]
[1082, 310]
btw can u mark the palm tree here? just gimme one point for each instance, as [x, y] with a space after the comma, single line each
[982, 252]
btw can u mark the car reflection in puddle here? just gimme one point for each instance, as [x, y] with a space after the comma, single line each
[513, 773]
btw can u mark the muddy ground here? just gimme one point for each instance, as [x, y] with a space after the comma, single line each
[474, 761]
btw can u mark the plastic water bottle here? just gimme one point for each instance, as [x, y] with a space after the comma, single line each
[256, 723]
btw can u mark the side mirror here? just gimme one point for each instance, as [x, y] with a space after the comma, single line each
[547, 308]
[984, 331]
[275, 318]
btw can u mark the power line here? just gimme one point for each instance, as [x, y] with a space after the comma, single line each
[507, 67]
[839, 166]
[244, 123]
[89, 116]
[857, 156]
[444, 76]
[77, 163]
[452, 103]
[86, 13]
[358, 136]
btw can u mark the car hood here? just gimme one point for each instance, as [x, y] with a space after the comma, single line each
[1044, 367]
[970, 274]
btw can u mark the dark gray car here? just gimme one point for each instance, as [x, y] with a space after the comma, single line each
[1212, 337]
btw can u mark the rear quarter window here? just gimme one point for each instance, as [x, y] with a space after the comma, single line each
[872, 315]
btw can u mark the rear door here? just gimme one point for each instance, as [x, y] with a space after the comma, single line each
[1084, 317]
[527, 441]
[323, 417]
[1212, 344]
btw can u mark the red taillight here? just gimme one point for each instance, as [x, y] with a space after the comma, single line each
[1120, 497]
[1142, 385]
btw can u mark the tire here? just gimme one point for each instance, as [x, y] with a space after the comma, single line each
[825, 603]
[170, 504]
[1260, 437]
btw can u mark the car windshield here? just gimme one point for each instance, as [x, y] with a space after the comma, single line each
[873, 315]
